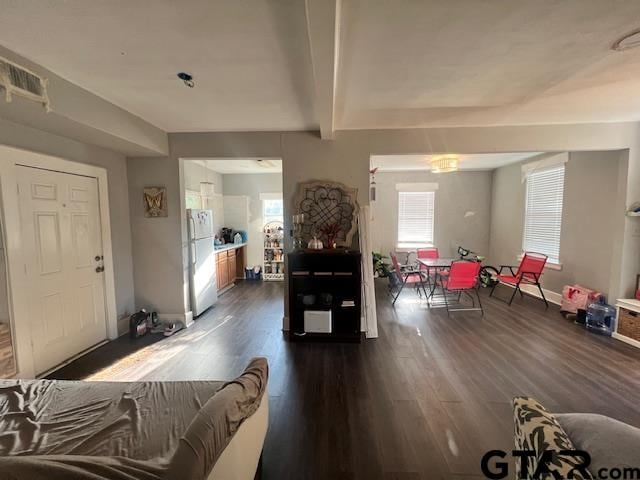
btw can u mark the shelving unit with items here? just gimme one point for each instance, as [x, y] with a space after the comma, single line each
[273, 259]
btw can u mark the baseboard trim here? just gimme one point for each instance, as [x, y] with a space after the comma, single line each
[70, 359]
[532, 290]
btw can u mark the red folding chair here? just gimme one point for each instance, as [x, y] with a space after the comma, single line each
[462, 278]
[406, 275]
[528, 273]
[430, 253]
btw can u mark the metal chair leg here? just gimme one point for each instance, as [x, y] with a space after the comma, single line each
[494, 288]
[515, 290]
[446, 302]
[400, 290]
[479, 302]
[424, 289]
[543, 297]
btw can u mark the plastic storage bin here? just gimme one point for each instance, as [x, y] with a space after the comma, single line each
[253, 273]
[601, 317]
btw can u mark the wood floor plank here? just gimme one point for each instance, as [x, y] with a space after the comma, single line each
[423, 401]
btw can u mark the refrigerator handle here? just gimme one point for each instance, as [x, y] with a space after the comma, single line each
[192, 227]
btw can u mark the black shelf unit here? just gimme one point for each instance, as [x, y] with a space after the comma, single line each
[325, 280]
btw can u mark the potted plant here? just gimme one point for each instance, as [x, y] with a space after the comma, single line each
[380, 268]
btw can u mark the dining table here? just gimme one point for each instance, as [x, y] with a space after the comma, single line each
[434, 265]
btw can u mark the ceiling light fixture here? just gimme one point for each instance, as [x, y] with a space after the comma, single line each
[629, 41]
[187, 79]
[444, 163]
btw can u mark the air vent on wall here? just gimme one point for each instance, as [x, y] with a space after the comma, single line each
[16, 80]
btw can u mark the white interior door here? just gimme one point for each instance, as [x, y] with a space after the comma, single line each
[62, 245]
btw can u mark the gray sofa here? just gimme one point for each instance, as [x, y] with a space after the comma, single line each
[613, 446]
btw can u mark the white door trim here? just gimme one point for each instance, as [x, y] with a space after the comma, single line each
[18, 286]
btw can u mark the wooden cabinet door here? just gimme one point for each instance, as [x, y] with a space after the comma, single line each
[223, 272]
[232, 266]
[218, 272]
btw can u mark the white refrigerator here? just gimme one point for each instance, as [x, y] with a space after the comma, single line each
[202, 260]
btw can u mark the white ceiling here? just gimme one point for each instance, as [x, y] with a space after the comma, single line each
[490, 62]
[249, 58]
[400, 64]
[245, 165]
[476, 161]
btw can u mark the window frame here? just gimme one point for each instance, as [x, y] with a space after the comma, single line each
[264, 198]
[553, 262]
[430, 189]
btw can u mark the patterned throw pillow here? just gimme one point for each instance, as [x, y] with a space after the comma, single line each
[537, 430]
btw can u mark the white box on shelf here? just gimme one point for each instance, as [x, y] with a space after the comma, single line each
[317, 321]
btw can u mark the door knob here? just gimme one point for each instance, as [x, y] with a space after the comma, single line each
[99, 269]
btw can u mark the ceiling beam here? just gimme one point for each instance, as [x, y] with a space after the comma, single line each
[323, 29]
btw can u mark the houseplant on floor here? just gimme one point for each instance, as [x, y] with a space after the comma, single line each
[380, 268]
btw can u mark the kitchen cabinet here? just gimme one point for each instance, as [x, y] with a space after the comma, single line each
[230, 265]
[223, 270]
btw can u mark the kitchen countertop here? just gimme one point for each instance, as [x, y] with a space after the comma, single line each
[229, 246]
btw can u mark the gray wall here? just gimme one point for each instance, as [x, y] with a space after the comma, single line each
[252, 185]
[35, 140]
[157, 249]
[346, 159]
[458, 193]
[78, 114]
[592, 207]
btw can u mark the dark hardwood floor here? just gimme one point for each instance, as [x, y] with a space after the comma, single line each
[423, 401]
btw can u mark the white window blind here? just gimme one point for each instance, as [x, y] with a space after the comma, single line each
[415, 219]
[543, 212]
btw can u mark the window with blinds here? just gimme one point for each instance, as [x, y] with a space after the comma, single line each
[543, 212]
[415, 219]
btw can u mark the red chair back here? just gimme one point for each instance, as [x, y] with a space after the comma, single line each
[531, 266]
[396, 265]
[463, 275]
[431, 252]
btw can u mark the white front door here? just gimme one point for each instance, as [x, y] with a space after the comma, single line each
[62, 245]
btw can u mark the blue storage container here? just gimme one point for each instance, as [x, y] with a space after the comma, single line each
[253, 273]
[601, 317]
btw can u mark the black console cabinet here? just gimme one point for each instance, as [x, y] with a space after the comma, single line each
[325, 280]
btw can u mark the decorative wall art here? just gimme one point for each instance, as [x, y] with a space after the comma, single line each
[328, 207]
[155, 202]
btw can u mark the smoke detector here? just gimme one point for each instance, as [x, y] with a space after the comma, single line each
[629, 41]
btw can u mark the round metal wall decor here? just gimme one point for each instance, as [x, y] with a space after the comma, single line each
[327, 205]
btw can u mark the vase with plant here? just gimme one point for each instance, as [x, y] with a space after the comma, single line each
[380, 268]
[331, 231]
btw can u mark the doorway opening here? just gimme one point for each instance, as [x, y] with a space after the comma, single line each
[235, 226]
